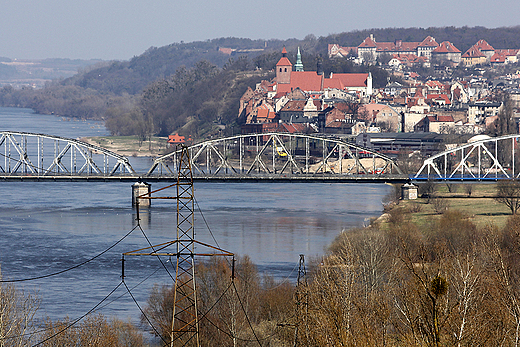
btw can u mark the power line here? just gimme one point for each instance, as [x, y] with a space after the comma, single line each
[142, 312]
[80, 318]
[245, 313]
[73, 267]
[153, 249]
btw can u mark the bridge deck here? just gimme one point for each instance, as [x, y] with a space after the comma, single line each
[223, 178]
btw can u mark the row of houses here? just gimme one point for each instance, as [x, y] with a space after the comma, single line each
[413, 53]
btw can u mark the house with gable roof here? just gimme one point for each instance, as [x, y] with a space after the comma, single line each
[447, 52]
[336, 51]
[300, 111]
[473, 56]
[511, 55]
[440, 124]
[425, 48]
[262, 114]
[369, 50]
[389, 119]
[504, 56]
[485, 48]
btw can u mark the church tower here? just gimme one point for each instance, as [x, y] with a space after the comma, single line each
[283, 69]
[299, 65]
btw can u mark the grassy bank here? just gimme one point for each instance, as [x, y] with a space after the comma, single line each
[474, 200]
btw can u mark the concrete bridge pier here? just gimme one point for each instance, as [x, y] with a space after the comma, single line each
[138, 189]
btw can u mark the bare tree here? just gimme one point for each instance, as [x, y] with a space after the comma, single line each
[508, 193]
[17, 310]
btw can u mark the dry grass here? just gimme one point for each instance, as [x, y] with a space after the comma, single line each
[480, 207]
[130, 145]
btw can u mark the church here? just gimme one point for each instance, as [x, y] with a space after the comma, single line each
[296, 96]
[314, 82]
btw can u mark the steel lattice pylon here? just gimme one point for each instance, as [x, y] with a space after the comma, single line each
[185, 322]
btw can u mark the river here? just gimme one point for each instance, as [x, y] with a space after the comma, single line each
[48, 227]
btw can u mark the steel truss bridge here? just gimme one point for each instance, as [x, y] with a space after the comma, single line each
[254, 157]
[487, 159]
[277, 157]
[45, 156]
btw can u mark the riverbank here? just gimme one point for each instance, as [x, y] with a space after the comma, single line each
[474, 200]
[130, 146]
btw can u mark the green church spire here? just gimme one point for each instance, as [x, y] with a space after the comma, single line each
[299, 65]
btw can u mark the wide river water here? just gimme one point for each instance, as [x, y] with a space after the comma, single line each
[48, 227]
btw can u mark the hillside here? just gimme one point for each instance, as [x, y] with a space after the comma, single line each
[195, 87]
[133, 76]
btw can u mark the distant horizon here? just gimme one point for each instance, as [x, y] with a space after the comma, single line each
[120, 30]
[253, 39]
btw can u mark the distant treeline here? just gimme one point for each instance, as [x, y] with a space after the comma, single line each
[190, 87]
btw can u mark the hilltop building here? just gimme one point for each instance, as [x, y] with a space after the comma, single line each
[369, 50]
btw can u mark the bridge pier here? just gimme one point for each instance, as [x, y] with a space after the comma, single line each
[139, 189]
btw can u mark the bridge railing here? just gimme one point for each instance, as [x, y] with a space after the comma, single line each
[278, 154]
[486, 159]
[45, 155]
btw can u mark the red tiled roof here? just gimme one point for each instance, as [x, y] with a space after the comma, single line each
[473, 52]
[435, 84]
[343, 51]
[438, 97]
[446, 47]
[507, 52]
[498, 58]
[264, 112]
[284, 61]
[173, 139]
[397, 46]
[346, 80]
[279, 95]
[482, 45]
[294, 105]
[305, 80]
[295, 127]
[440, 118]
[368, 43]
[429, 42]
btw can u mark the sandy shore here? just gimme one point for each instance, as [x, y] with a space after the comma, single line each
[129, 146]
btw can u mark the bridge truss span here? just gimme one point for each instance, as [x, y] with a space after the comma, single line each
[491, 158]
[29, 154]
[278, 154]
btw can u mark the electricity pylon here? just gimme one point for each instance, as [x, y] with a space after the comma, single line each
[185, 320]
[302, 303]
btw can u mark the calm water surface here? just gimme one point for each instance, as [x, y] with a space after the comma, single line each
[46, 227]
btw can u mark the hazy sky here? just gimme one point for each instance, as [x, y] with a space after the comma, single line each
[117, 29]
